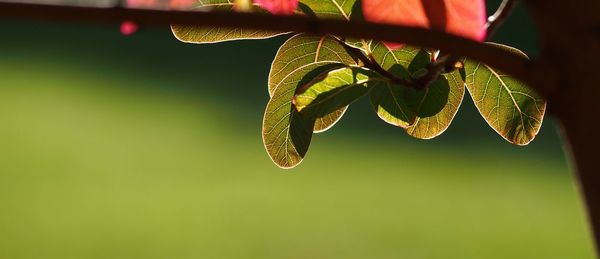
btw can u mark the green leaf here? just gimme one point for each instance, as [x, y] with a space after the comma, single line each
[201, 34]
[330, 8]
[387, 58]
[335, 9]
[510, 107]
[439, 102]
[450, 89]
[333, 90]
[424, 113]
[302, 50]
[390, 101]
[287, 133]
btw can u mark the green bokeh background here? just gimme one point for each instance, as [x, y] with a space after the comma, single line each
[145, 147]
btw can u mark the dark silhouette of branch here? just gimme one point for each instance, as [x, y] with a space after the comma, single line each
[498, 58]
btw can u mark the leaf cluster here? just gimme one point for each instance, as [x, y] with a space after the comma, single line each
[313, 79]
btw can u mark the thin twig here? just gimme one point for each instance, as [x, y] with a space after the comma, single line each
[437, 68]
[370, 63]
[506, 61]
[498, 18]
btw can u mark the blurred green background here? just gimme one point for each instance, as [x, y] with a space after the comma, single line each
[145, 147]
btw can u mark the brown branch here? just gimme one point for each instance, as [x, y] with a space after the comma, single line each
[503, 60]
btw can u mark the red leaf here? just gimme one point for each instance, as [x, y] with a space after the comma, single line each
[161, 4]
[285, 7]
[464, 18]
[141, 3]
[181, 4]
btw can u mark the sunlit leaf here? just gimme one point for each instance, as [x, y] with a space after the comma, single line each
[198, 34]
[438, 103]
[337, 9]
[328, 8]
[243, 5]
[425, 113]
[333, 90]
[287, 133]
[449, 89]
[510, 107]
[390, 101]
[302, 50]
[466, 18]
[201, 34]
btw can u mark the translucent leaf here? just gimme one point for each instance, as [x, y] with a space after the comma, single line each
[198, 34]
[287, 133]
[424, 113]
[510, 107]
[302, 50]
[202, 34]
[450, 89]
[466, 18]
[337, 9]
[391, 101]
[328, 8]
[333, 90]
